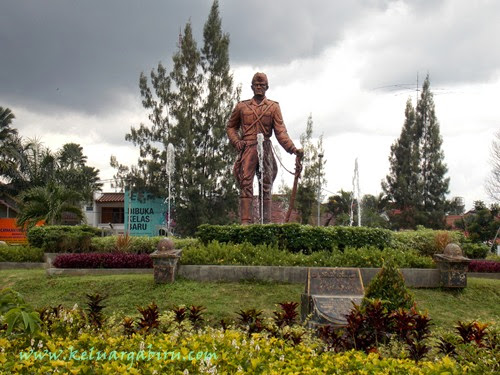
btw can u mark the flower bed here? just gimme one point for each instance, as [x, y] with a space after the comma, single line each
[235, 353]
[484, 266]
[63, 340]
[103, 260]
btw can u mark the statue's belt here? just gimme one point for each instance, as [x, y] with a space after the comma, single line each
[253, 142]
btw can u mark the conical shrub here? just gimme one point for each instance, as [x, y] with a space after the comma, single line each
[389, 286]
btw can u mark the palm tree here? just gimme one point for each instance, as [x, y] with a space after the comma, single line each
[30, 164]
[47, 203]
[6, 117]
[338, 207]
[8, 142]
[74, 174]
[71, 156]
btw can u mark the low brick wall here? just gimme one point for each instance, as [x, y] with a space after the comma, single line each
[21, 265]
[97, 271]
[414, 277]
[237, 273]
[484, 275]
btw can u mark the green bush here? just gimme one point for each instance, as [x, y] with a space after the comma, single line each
[84, 239]
[425, 241]
[138, 245]
[389, 286]
[475, 250]
[295, 237]
[270, 255]
[20, 254]
[62, 238]
[103, 244]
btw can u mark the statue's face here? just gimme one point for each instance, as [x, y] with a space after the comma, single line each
[259, 87]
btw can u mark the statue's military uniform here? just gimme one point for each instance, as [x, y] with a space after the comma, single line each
[247, 120]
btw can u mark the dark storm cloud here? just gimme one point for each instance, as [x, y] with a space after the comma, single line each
[87, 55]
[81, 54]
[274, 32]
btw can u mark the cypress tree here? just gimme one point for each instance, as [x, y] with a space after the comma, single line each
[402, 185]
[416, 184]
[434, 184]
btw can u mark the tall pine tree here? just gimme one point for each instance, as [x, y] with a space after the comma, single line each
[221, 193]
[402, 185]
[416, 184]
[434, 184]
[189, 108]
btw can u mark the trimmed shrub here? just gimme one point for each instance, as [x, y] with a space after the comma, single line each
[62, 238]
[484, 266]
[296, 237]
[389, 286]
[270, 255]
[138, 245]
[20, 254]
[374, 257]
[103, 260]
[103, 244]
[475, 250]
[426, 241]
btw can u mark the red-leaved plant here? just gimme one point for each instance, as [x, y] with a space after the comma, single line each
[103, 260]
[484, 266]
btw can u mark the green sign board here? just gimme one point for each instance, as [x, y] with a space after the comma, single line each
[145, 214]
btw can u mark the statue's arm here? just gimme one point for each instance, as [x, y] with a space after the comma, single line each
[233, 126]
[280, 131]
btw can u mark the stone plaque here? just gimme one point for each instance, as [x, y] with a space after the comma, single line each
[334, 282]
[330, 294]
[333, 310]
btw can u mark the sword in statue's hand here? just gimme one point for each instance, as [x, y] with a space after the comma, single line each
[298, 170]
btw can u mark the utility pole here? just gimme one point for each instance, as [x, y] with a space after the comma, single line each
[129, 198]
[417, 91]
[320, 156]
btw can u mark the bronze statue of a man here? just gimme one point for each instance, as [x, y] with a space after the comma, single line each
[249, 118]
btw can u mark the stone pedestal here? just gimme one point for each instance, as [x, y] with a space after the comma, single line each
[452, 266]
[165, 261]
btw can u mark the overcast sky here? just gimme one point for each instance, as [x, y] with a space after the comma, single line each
[69, 71]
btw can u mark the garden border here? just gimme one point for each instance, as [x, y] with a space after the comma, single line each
[22, 265]
[414, 277]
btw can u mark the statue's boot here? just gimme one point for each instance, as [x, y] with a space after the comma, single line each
[267, 211]
[246, 211]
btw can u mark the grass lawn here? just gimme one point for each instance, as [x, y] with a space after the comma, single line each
[480, 300]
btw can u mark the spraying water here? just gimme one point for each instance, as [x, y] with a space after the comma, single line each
[260, 153]
[170, 167]
[356, 194]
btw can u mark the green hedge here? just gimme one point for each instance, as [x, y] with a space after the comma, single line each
[138, 245]
[295, 237]
[270, 255]
[20, 254]
[62, 238]
[84, 239]
[475, 250]
[425, 240]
